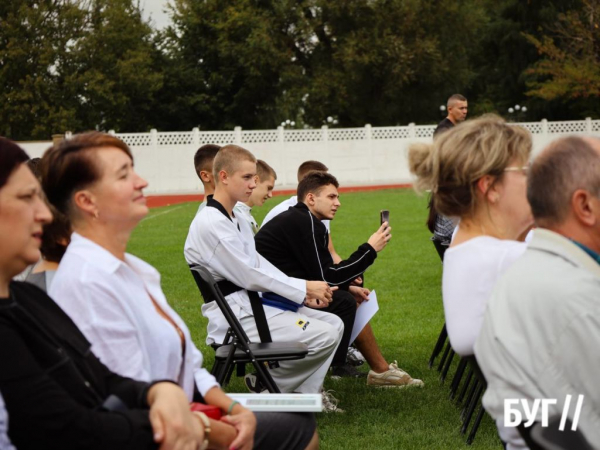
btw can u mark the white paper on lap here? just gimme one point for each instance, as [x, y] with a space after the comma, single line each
[364, 313]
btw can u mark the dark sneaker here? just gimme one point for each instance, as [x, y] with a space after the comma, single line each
[253, 383]
[354, 357]
[346, 371]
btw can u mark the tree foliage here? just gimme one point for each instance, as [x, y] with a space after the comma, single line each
[84, 64]
[570, 48]
[362, 61]
[74, 65]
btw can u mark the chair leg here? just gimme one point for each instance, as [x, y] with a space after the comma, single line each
[265, 377]
[464, 388]
[444, 356]
[469, 398]
[447, 366]
[472, 405]
[460, 370]
[241, 370]
[478, 419]
[439, 346]
[215, 368]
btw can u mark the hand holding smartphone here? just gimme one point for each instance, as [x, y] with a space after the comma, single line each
[381, 237]
[384, 216]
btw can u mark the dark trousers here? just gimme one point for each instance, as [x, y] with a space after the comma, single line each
[343, 306]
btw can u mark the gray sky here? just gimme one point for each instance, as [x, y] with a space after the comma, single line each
[153, 10]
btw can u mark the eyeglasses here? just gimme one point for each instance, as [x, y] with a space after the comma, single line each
[522, 169]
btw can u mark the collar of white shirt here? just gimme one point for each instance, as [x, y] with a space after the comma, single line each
[105, 261]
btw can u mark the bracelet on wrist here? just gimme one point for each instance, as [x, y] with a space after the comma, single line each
[233, 403]
[206, 423]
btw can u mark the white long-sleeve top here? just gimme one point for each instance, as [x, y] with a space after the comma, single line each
[243, 211]
[471, 270]
[109, 300]
[224, 247]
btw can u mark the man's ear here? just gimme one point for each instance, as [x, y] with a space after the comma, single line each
[309, 199]
[585, 207]
[205, 176]
[223, 177]
[85, 201]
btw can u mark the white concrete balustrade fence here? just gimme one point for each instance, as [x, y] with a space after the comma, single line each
[356, 156]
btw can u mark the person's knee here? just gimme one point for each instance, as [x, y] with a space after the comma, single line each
[344, 299]
[335, 331]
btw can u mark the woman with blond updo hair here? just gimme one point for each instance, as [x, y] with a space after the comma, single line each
[478, 173]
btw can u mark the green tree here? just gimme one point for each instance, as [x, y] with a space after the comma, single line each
[569, 68]
[75, 65]
[117, 71]
[231, 61]
[35, 93]
[257, 62]
[503, 54]
[389, 62]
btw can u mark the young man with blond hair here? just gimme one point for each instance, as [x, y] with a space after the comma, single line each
[265, 182]
[217, 242]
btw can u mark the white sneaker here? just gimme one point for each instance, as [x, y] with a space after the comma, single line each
[394, 377]
[330, 403]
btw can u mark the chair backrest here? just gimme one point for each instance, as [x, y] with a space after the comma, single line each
[210, 292]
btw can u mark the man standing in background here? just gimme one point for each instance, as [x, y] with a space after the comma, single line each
[457, 112]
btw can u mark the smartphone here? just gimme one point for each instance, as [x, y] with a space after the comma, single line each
[384, 216]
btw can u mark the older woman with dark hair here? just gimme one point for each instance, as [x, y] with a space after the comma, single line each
[57, 393]
[117, 299]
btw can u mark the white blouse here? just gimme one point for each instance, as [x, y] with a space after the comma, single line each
[111, 303]
[471, 270]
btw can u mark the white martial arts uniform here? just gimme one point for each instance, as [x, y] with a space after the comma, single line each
[241, 210]
[216, 242]
[284, 206]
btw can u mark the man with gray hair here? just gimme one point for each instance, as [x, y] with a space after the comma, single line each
[541, 330]
[457, 112]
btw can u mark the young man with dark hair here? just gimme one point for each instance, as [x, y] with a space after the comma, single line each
[217, 242]
[265, 182]
[296, 242]
[203, 163]
[303, 169]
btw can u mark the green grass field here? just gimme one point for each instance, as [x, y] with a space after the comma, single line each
[406, 276]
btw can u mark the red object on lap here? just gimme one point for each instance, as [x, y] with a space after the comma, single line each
[211, 411]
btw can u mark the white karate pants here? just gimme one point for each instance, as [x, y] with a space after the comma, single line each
[319, 330]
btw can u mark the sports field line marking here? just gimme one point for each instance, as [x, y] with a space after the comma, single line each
[161, 213]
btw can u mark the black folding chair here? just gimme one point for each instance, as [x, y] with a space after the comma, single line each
[473, 401]
[551, 438]
[439, 345]
[237, 347]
